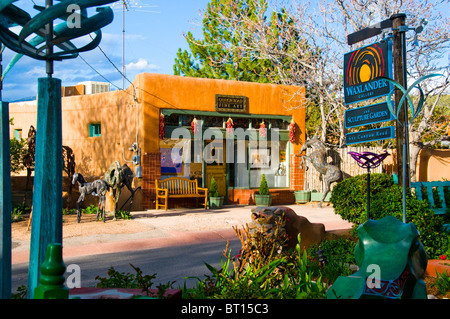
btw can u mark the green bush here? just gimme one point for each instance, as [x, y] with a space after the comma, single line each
[429, 225]
[349, 199]
[213, 189]
[263, 187]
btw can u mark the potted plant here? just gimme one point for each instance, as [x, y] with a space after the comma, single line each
[215, 200]
[263, 198]
[302, 196]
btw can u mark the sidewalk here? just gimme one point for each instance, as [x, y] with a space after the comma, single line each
[158, 228]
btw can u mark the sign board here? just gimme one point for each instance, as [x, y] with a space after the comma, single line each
[366, 115]
[363, 69]
[383, 133]
[369, 32]
[231, 103]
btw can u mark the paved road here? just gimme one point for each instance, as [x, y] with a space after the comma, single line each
[175, 248]
[169, 263]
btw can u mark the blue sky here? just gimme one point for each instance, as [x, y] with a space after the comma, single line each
[153, 33]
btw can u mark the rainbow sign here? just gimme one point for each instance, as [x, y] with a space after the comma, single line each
[363, 69]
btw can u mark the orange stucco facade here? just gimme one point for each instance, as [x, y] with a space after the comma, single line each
[133, 116]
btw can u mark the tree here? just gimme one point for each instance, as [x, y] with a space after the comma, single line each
[425, 53]
[240, 43]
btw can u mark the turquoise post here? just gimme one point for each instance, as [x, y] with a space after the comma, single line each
[5, 205]
[46, 224]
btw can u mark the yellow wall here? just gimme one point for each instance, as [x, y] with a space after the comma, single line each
[434, 165]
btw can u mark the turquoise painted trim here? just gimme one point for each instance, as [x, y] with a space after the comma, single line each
[46, 225]
[5, 205]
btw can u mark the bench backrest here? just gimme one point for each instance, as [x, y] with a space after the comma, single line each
[429, 187]
[178, 185]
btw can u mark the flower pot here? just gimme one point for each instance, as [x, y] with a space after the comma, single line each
[317, 197]
[302, 196]
[263, 200]
[215, 202]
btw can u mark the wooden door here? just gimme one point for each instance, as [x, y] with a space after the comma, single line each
[215, 165]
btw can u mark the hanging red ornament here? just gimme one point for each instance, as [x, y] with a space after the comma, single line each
[229, 125]
[194, 126]
[262, 130]
[162, 127]
[292, 131]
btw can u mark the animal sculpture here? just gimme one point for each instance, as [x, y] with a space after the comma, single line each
[98, 188]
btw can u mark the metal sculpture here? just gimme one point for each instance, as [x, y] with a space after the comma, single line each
[117, 177]
[368, 160]
[391, 262]
[318, 158]
[63, 32]
[97, 188]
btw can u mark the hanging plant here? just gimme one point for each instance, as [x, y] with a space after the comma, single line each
[262, 130]
[229, 125]
[292, 131]
[162, 127]
[194, 126]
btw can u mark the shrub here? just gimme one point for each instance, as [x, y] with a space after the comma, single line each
[263, 187]
[429, 225]
[349, 199]
[213, 189]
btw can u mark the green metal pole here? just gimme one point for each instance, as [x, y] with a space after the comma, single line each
[5, 205]
[46, 225]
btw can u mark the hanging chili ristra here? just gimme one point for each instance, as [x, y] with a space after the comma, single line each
[262, 130]
[292, 131]
[162, 126]
[229, 125]
[194, 126]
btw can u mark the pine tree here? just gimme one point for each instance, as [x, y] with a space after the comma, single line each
[227, 51]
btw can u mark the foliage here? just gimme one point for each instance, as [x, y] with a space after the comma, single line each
[19, 210]
[261, 270]
[339, 254]
[18, 149]
[443, 282]
[227, 52]
[118, 279]
[123, 214]
[213, 189]
[349, 198]
[21, 293]
[263, 187]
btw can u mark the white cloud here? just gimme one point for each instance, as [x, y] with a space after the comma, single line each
[141, 65]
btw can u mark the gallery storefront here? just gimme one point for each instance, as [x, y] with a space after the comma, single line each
[234, 131]
[190, 127]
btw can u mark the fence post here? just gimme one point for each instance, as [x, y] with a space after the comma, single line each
[5, 204]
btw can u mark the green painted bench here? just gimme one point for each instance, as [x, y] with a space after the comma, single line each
[419, 186]
[391, 261]
[439, 186]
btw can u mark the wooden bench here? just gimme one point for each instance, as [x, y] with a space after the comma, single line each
[179, 187]
[429, 192]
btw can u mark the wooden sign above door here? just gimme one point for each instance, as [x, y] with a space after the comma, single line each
[231, 103]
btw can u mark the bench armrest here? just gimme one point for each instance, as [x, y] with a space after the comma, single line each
[203, 189]
[163, 190]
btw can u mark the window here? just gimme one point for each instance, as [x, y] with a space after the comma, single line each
[18, 134]
[95, 129]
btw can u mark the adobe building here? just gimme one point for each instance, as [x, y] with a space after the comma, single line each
[145, 125]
